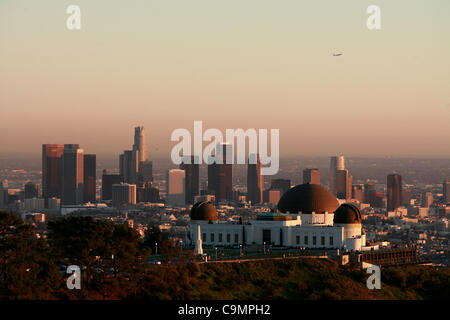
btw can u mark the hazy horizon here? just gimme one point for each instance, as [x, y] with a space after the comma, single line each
[253, 64]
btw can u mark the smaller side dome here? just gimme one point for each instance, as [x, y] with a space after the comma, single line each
[347, 214]
[203, 210]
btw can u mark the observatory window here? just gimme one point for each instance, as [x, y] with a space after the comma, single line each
[297, 239]
[220, 237]
[236, 238]
[306, 239]
[212, 237]
[314, 240]
[228, 237]
[322, 241]
[331, 241]
[204, 237]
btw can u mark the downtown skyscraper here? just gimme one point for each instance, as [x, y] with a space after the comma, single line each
[255, 181]
[192, 179]
[73, 175]
[90, 166]
[311, 176]
[336, 163]
[220, 175]
[394, 192]
[139, 143]
[133, 165]
[343, 184]
[446, 190]
[52, 179]
[175, 187]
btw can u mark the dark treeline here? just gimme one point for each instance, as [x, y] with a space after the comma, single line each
[113, 259]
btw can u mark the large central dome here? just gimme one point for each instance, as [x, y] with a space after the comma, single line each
[308, 198]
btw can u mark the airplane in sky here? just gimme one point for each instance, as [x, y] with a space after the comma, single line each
[337, 54]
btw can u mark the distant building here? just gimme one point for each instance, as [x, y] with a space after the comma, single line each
[406, 197]
[446, 190]
[130, 161]
[148, 193]
[343, 184]
[220, 175]
[31, 190]
[281, 184]
[369, 191]
[336, 163]
[311, 176]
[192, 179]
[90, 168]
[394, 192]
[427, 199]
[272, 196]
[53, 204]
[139, 143]
[33, 204]
[123, 194]
[175, 192]
[129, 166]
[358, 192]
[107, 182]
[73, 175]
[52, 170]
[145, 172]
[255, 181]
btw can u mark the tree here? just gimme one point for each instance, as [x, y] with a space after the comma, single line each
[27, 270]
[153, 236]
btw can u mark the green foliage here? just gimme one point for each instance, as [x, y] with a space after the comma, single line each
[113, 260]
[27, 270]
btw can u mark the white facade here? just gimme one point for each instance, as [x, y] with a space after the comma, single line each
[304, 230]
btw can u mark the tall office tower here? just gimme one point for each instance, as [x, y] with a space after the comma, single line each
[358, 192]
[175, 192]
[123, 194]
[192, 179]
[145, 172]
[220, 175]
[336, 163]
[446, 190]
[394, 192]
[139, 144]
[148, 193]
[369, 192]
[272, 196]
[311, 176]
[255, 181]
[343, 184]
[90, 167]
[124, 165]
[31, 190]
[427, 199]
[73, 176]
[281, 184]
[52, 170]
[107, 182]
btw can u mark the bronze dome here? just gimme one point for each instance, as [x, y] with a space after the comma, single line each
[347, 214]
[308, 198]
[203, 210]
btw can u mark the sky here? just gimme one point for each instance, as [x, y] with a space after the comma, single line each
[232, 64]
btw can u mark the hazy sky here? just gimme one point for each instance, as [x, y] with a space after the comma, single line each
[233, 64]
